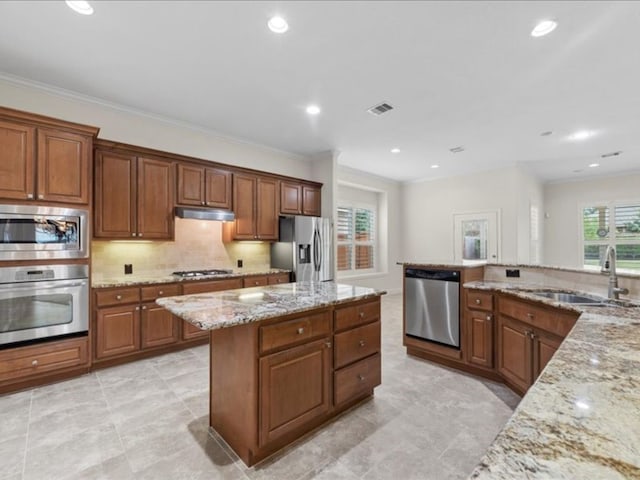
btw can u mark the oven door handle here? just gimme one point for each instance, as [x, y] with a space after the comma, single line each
[43, 285]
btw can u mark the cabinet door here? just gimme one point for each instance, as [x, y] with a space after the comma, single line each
[244, 188]
[115, 196]
[294, 389]
[63, 167]
[117, 331]
[290, 198]
[218, 188]
[158, 326]
[311, 201]
[17, 161]
[544, 346]
[515, 352]
[191, 185]
[267, 209]
[479, 338]
[155, 199]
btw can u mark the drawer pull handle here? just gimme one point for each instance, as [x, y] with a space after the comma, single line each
[361, 377]
[478, 301]
[361, 343]
[34, 363]
[361, 314]
[530, 315]
[300, 330]
[118, 297]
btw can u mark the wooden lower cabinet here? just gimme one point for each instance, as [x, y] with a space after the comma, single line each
[479, 332]
[158, 326]
[294, 389]
[259, 281]
[514, 352]
[117, 331]
[357, 379]
[544, 346]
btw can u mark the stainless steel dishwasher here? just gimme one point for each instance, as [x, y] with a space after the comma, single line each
[432, 305]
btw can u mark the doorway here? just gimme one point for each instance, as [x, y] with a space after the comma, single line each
[475, 238]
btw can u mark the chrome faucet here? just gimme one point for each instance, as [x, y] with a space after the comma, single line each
[609, 266]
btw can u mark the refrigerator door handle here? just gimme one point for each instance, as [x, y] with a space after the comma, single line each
[320, 246]
[317, 258]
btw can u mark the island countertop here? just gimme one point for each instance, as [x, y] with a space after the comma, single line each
[581, 417]
[210, 311]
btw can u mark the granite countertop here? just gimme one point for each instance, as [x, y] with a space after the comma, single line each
[147, 279]
[581, 418]
[436, 264]
[210, 311]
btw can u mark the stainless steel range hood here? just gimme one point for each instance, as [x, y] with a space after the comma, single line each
[205, 214]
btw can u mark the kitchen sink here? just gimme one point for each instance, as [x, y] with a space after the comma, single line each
[574, 298]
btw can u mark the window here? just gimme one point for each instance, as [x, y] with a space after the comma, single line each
[616, 224]
[356, 239]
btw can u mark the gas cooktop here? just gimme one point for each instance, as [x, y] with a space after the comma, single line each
[202, 273]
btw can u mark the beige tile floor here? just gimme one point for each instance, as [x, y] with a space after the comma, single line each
[148, 420]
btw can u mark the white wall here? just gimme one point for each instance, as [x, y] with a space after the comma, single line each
[123, 125]
[562, 206]
[389, 227]
[529, 193]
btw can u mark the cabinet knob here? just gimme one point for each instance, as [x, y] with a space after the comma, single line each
[361, 314]
[118, 297]
[133, 234]
[361, 343]
[202, 203]
[300, 330]
[478, 301]
[529, 315]
[34, 363]
[488, 318]
[328, 344]
[144, 307]
[137, 308]
[139, 234]
[257, 282]
[29, 195]
[160, 292]
[361, 377]
[40, 196]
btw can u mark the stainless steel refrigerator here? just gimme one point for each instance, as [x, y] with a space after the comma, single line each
[305, 248]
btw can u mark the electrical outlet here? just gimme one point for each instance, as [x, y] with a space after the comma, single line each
[239, 263]
[513, 273]
[128, 268]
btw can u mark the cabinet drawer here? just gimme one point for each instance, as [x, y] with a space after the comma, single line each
[294, 331]
[547, 318]
[279, 278]
[119, 296]
[260, 281]
[349, 317]
[149, 294]
[26, 361]
[479, 300]
[357, 379]
[212, 286]
[356, 344]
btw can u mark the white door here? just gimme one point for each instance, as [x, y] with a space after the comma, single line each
[476, 237]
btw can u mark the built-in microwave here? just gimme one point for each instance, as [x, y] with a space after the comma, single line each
[37, 232]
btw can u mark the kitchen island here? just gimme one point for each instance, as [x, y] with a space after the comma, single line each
[284, 358]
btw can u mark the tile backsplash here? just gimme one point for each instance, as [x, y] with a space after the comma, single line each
[198, 244]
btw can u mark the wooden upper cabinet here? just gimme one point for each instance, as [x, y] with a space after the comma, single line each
[290, 198]
[202, 186]
[267, 209]
[244, 194]
[155, 199]
[218, 188]
[115, 195]
[134, 197]
[63, 167]
[17, 161]
[33, 149]
[311, 204]
[299, 199]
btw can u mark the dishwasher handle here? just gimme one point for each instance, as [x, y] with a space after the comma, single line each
[442, 275]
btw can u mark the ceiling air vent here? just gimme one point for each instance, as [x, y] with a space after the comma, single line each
[456, 149]
[612, 154]
[380, 109]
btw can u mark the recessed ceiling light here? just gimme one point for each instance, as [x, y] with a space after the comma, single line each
[593, 165]
[435, 166]
[278, 24]
[543, 28]
[395, 150]
[580, 135]
[313, 110]
[80, 6]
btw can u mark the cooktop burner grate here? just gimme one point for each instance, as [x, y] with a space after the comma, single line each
[202, 273]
